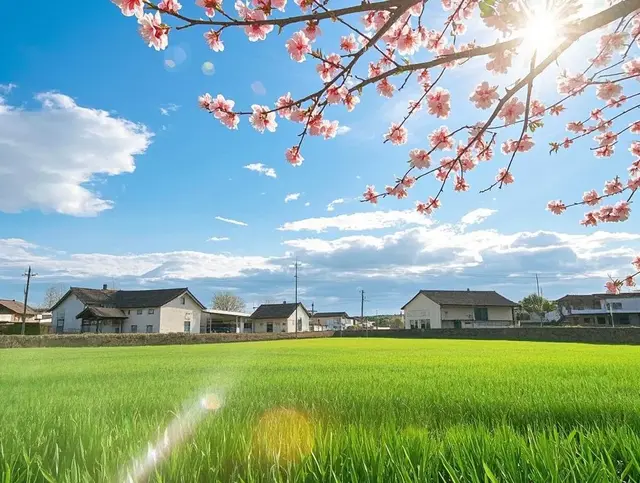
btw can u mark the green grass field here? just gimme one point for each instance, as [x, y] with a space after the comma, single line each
[325, 410]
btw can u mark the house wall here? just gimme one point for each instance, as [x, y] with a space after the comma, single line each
[333, 323]
[175, 313]
[260, 325]
[66, 312]
[7, 315]
[291, 321]
[141, 320]
[422, 308]
[498, 316]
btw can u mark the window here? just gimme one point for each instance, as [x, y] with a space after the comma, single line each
[139, 311]
[182, 300]
[269, 327]
[614, 306]
[425, 323]
[248, 327]
[149, 329]
[134, 329]
[187, 326]
[60, 322]
[151, 311]
[117, 330]
[481, 313]
[300, 324]
[623, 319]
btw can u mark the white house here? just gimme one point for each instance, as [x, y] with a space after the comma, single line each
[332, 320]
[279, 318]
[442, 309]
[94, 310]
[11, 312]
[600, 309]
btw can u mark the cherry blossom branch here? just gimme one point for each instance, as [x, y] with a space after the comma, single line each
[596, 200]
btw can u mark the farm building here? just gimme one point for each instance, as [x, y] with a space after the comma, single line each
[11, 311]
[214, 320]
[442, 309]
[280, 318]
[95, 310]
[332, 320]
[600, 309]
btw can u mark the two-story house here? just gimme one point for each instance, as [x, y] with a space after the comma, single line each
[332, 320]
[600, 309]
[94, 310]
[443, 309]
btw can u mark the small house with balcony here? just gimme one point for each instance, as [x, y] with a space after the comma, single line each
[458, 309]
[600, 309]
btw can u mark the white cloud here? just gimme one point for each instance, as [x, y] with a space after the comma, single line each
[169, 108]
[291, 197]
[7, 88]
[258, 88]
[373, 220]
[48, 155]
[331, 206]
[233, 222]
[262, 169]
[307, 203]
[342, 130]
[477, 216]
[218, 239]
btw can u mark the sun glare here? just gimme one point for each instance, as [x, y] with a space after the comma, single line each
[541, 33]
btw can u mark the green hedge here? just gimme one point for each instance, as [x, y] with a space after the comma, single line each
[16, 328]
[110, 340]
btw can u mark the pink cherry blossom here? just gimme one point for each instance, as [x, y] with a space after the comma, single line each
[636, 263]
[293, 156]
[408, 41]
[612, 287]
[613, 186]
[571, 84]
[461, 184]
[267, 5]
[370, 195]
[375, 19]
[315, 124]
[129, 8]
[441, 139]
[500, 61]
[254, 31]
[448, 50]
[204, 101]
[434, 41]
[556, 207]
[172, 6]
[606, 138]
[210, 6]
[396, 134]
[153, 31]
[408, 181]
[576, 126]
[213, 41]
[348, 43]
[414, 106]
[375, 69]
[634, 169]
[591, 197]
[635, 126]
[312, 30]
[419, 158]
[261, 119]
[614, 41]
[505, 176]
[632, 67]
[633, 184]
[512, 110]
[304, 4]
[629, 282]
[484, 95]
[428, 207]
[556, 110]
[608, 90]
[285, 106]
[329, 129]
[441, 174]
[439, 102]
[589, 219]
[298, 115]
[621, 210]
[298, 46]
[336, 94]
[537, 108]
[424, 79]
[398, 191]
[634, 148]
[350, 101]
[385, 88]
[604, 151]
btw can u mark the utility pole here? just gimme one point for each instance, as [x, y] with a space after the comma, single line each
[537, 286]
[362, 311]
[28, 274]
[296, 277]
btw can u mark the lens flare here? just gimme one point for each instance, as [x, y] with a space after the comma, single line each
[284, 435]
[179, 429]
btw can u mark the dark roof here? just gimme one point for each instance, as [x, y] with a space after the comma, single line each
[466, 297]
[276, 311]
[127, 298]
[331, 314]
[588, 299]
[101, 313]
[16, 307]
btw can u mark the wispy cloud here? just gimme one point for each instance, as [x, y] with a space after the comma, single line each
[258, 88]
[373, 220]
[331, 206]
[262, 169]
[477, 216]
[218, 239]
[169, 108]
[307, 203]
[291, 197]
[233, 222]
[343, 130]
[7, 88]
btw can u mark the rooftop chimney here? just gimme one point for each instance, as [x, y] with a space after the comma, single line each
[104, 286]
[468, 290]
[284, 301]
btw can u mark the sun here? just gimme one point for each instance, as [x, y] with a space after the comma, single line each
[541, 33]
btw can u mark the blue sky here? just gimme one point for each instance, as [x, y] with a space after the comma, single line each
[164, 203]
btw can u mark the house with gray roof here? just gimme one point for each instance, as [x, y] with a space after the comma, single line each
[444, 309]
[122, 311]
[280, 318]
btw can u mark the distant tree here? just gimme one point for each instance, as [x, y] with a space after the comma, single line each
[536, 304]
[396, 323]
[227, 301]
[51, 296]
